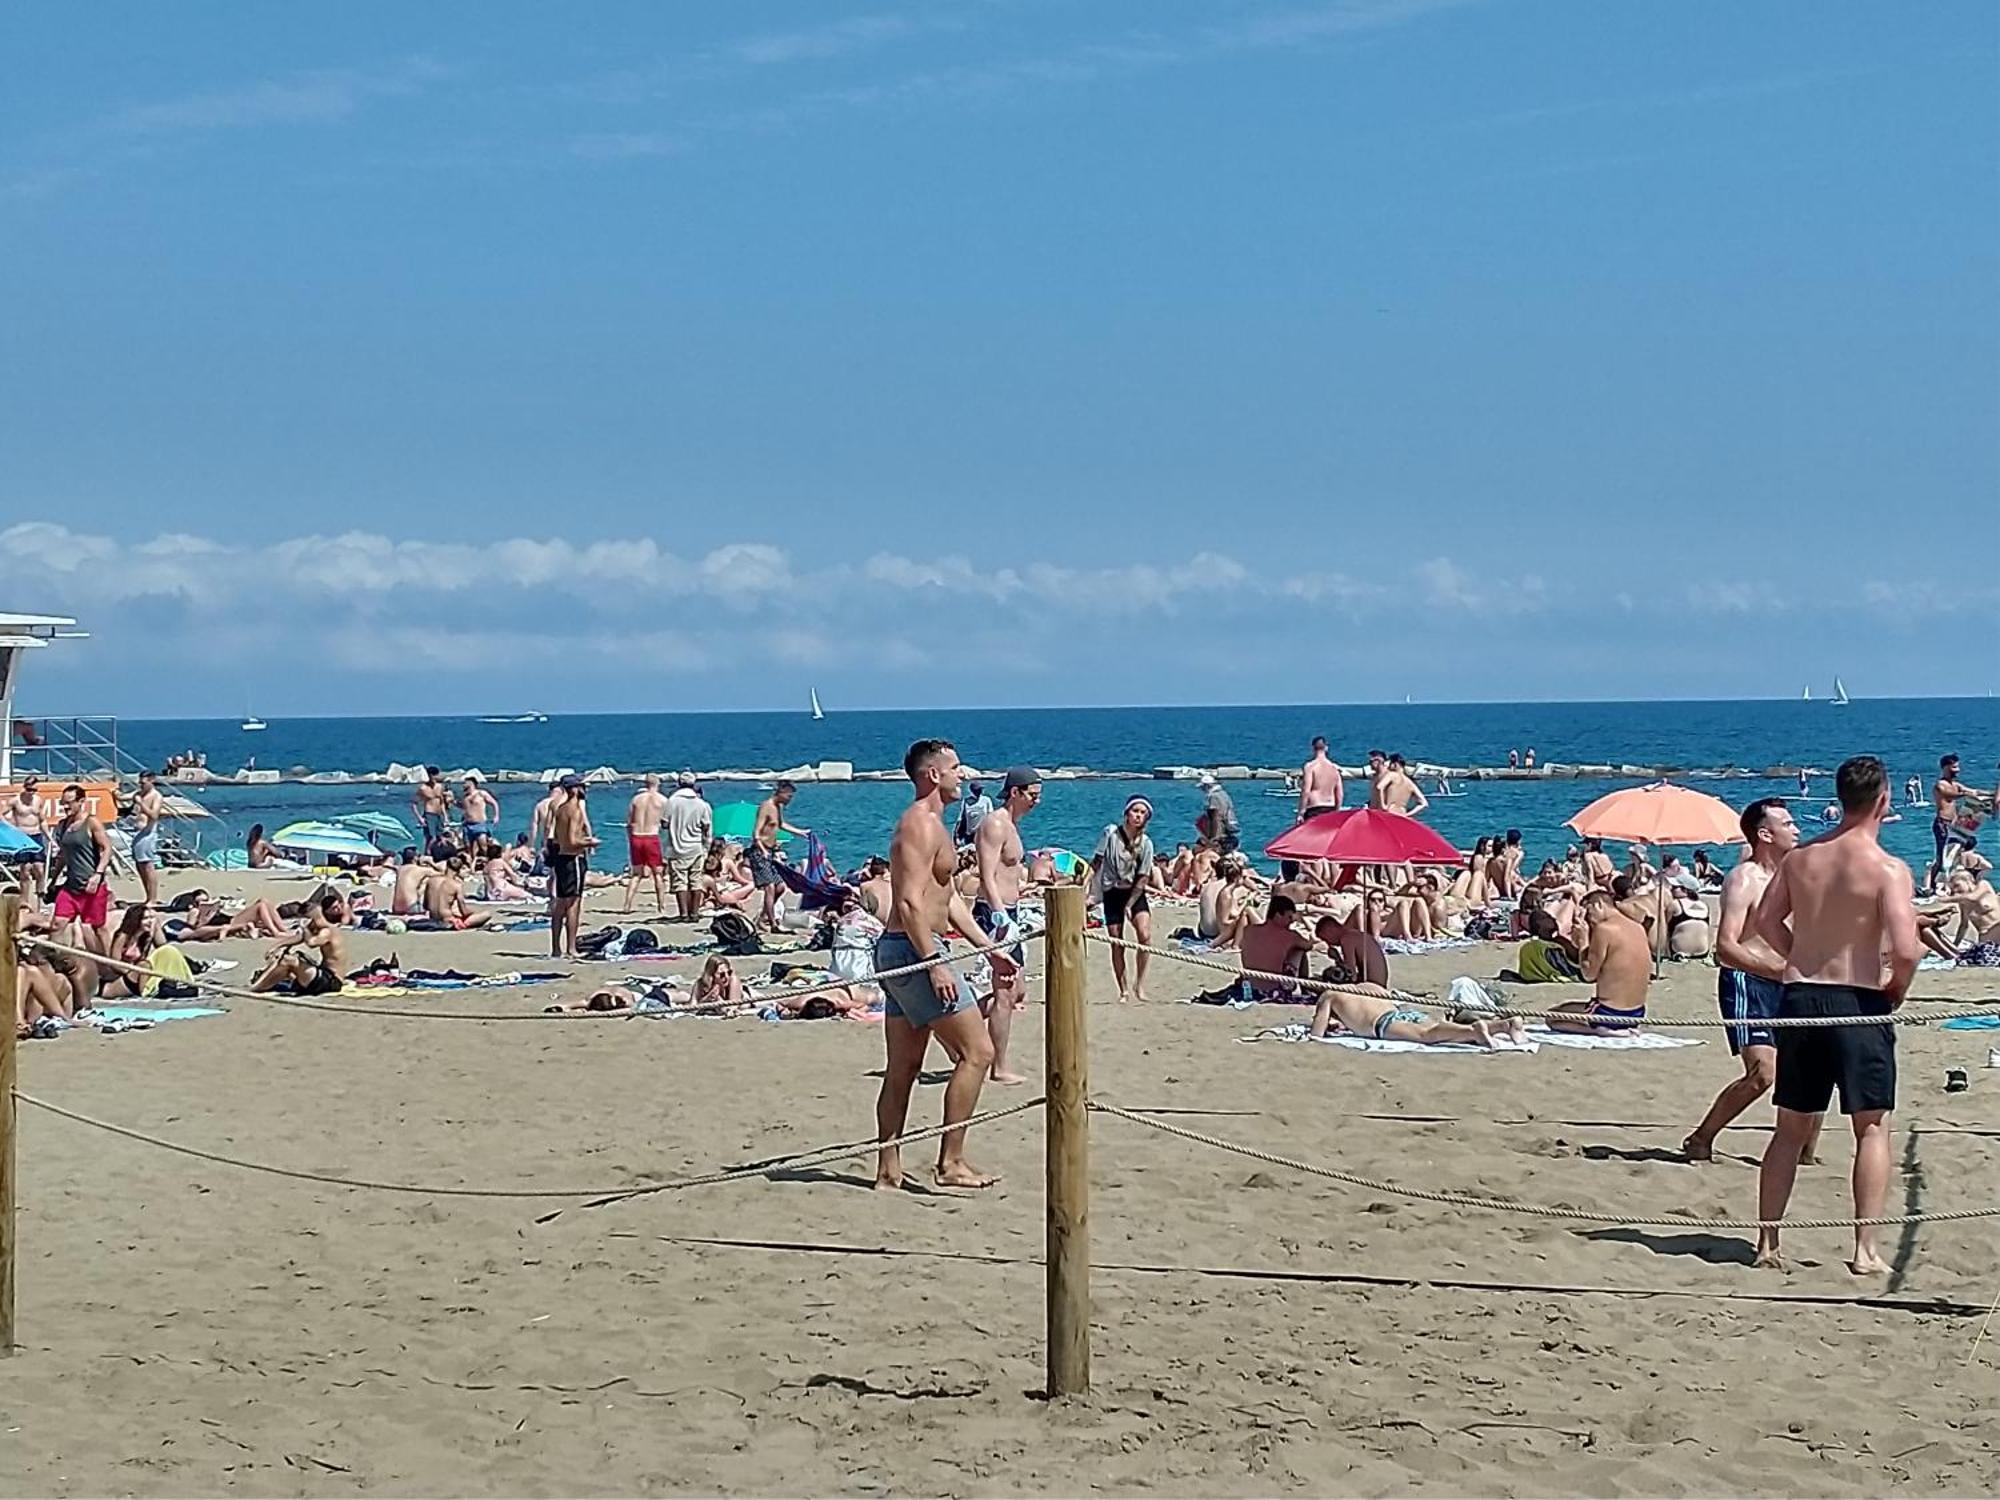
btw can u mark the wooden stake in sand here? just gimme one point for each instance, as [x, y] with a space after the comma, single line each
[10, 923]
[1068, 1058]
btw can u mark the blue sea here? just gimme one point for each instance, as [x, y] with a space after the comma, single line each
[854, 819]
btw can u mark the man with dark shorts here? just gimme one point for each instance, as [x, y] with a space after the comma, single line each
[933, 1000]
[1748, 984]
[764, 860]
[1002, 869]
[1320, 791]
[570, 843]
[1946, 830]
[1839, 913]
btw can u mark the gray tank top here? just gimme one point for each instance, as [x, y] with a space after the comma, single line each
[77, 851]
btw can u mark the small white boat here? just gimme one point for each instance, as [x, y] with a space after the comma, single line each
[1806, 695]
[252, 724]
[1839, 693]
[817, 711]
[514, 719]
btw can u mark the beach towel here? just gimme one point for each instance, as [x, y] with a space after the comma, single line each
[815, 883]
[430, 981]
[113, 1019]
[1408, 946]
[1538, 1036]
[1972, 1023]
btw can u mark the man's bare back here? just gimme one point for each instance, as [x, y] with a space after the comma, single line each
[642, 819]
[1844, 897]
[1618, 959]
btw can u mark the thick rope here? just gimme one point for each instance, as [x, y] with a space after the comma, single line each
[746, 1005]
[1603, 1022]
[816, 1157]
[1535, 1210]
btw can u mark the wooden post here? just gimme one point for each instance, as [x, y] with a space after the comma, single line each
[10, 924]
[1068, 1074]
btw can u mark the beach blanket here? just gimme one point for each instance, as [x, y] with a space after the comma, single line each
[1538, 1037]
[426, 981]
[113, 1019]
[1972, 1023]
[1408, 946]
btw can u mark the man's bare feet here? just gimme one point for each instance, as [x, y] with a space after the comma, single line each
[1695, 1149]
[888, 1182]
[888, 1171]
[1870, 1264]
[1141, 997]
[1008, 1079]
[1769, 1260]
[1123, 998]
[962, 1174]
[1808, 1158]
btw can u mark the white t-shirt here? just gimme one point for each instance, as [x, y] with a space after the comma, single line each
[687, 824]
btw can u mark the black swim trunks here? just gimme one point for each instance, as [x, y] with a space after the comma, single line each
[1119, 904]
[566, 875]
[1813, 1061]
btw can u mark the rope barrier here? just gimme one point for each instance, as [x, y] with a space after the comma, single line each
[818, 1156]
[1608, 1023]
[297, 1002]
[1535, 1210]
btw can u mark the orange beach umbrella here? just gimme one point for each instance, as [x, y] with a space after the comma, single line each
[1660, 814]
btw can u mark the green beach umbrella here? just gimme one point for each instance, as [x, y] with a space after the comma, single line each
[737, 820]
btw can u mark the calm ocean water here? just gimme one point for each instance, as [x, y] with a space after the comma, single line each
[1908, 734]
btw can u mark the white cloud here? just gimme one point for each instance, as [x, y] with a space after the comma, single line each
[319, 97]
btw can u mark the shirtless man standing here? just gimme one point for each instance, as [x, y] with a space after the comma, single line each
[1618, 962]
[1320, 791]
[542, 821]
[478, 811]
[430, 803]
[764, 859]
[1749, 975]
[570, 843]
[1839, 913]
[642, 843]
[932, 1001]
[1392, 790]
[25, 813]
[997, 844]
[147, 809]
[1945, 792]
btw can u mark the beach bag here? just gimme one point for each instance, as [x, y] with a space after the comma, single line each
[734, 935]
[641, 940]
[593, 944]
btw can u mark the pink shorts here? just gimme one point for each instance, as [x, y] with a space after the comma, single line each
[645, 851]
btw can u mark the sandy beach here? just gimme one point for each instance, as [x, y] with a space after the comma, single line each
[242, 1333]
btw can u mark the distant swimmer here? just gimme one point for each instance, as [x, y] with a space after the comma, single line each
[1839, 913]
[1913, 792]
[1805, 783]
[934, 1000]
[1749, 976]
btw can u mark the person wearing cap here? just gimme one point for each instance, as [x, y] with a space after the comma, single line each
[690, 823]
[642, 843]
[1218, 824]
[478, 811]
[1123, 865]
[1002, 863]
[570, 843]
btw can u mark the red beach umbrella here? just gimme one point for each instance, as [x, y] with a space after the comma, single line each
[1364, 836]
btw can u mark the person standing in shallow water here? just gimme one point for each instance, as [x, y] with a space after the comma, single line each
[1840, 913]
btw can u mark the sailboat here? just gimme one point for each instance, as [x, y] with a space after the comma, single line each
[817, 711]
[1839, 693]
[252, 724]
[1805, 695]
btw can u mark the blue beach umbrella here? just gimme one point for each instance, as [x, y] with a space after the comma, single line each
[373, 823]
[324, 838]
[14, 844]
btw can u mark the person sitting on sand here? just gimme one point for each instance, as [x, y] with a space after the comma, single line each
[719, 987]
[258, 851]
[1178, 870]
[1355, 957]
[1978, 910]
[1618, 962]
[1545, 955]
[498, 871]
[313, 962]
[1275, 946]
[407, 899]
[207, 921]
[1474, 884]
[1707, 873]
[1382, 1017]
[444, 898]
[1225, 902]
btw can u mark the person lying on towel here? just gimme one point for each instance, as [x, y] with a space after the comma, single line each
[1381, 1017]
[1618, 961]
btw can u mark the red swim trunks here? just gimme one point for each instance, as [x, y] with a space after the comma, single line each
[94, 907]
[645, 849]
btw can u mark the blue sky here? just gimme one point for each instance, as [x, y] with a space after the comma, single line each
[454, 357]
